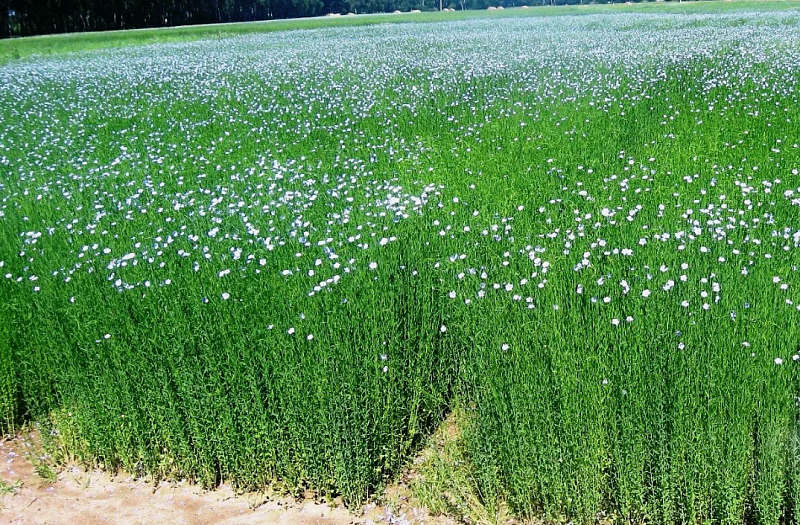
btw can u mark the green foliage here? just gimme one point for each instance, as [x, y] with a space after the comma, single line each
[209, 393]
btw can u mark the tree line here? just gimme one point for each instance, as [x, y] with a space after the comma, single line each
[37, 17]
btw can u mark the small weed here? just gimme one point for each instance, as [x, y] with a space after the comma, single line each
[36, 453]
[44, 469]
[8, 487]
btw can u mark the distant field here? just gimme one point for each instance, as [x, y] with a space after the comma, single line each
[14, 49]
[285, 258]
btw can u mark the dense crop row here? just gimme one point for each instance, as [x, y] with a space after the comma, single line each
[284, 257]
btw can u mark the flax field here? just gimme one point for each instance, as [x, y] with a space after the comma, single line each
[285, 257]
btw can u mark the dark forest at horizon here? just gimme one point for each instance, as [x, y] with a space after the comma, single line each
[40, 17]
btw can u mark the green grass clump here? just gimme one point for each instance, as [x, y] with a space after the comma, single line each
[283, 259]
[443, 479]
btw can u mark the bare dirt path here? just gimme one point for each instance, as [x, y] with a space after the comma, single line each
[81, 497]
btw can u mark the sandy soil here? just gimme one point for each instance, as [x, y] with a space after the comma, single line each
[82, 497]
